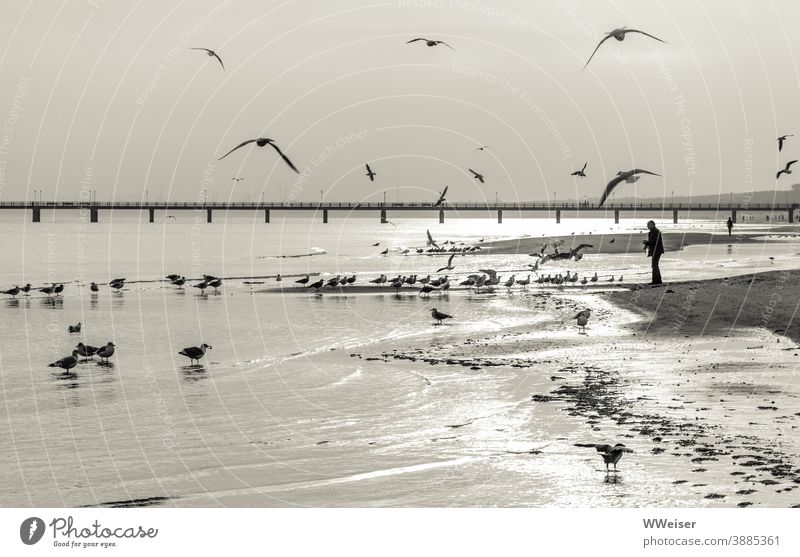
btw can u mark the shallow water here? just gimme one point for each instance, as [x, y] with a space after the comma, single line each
[281, 412]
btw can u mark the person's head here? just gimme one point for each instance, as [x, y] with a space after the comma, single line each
[651, 224]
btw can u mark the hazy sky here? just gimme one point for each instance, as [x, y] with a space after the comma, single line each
[106, 96]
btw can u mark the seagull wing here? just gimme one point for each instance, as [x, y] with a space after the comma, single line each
[369, 173]
[194, 48]
[444, 192]
[643, 33]
[642, 171]
[599, 447]
[238, 146]
[584, 166]
[596, 49]
[284, 157]
[450, 261]
[475, 174]
[445, 44]
[582, 246]
[790, 163]
[609, 188]
[215, 55]
[415, 40]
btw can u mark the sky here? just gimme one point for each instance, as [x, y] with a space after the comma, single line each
[106, 98]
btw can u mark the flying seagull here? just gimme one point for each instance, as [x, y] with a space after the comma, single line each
[431, 241]
[581, 172]
[483, 147]
[627, 176]
[781, 139]
[449, 266]
[261, 142]
[611, 455]
[237, 179]
[478, 177]
[439, 316]
[195, 352]
[786, 170]
[371, 174]
[430, 42]
[618, 34]
[442, 198]
[214, 54]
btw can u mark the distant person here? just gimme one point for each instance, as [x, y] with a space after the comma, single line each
[729, 224]
[655, 248]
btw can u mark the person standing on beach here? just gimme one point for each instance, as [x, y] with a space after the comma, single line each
[729, 225]
[655, 248]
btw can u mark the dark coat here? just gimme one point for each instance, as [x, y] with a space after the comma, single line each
[655, 246]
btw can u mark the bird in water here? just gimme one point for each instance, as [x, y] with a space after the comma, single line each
[74, 328]
[211, 53]
[66, 363]
[26, 288]
[622, 176]
[439, 316]
[12, 291]
[478, 177]
[202, 286]
[786, 170]
[86, 350]
[582, 318]
[611, 455]
[179, 282]
[581, 172]
[783, 138]
[105, 352]
[618, 34]
[215, 284]
[371, 174]
[430, 42]
[261, 142]
[194, 353]
[94, 288]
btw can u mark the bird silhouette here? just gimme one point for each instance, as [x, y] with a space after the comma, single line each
[211, 53]
[194, 353]
[439, 316]
[449, 266]
[622, 176]
[786, 170]
[430, 42]
[581, 172]
[371, 174]
[261, 142]
[442, 197]
[478, 177]
[611, 455]
[783, 138]
[618, 34]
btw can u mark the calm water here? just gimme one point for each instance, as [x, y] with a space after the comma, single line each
[279, 412]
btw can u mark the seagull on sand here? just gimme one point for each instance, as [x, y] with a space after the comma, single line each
[442, 198]
[611, 455]
[303, 280]
[786, 170]
[581, 172]
[449, 266]
[12, 291]
[194, 353]
[216, 283]
[627, 176]
[261, 142]
[478, 177]
[430, 42]
[380, 280]
[74, 328]
[618, 34]
[582, 317]
[86, 350]
[439, 316]
[211, 53]
[105, 352]
[783, 138]
[66, 363]
[316, 285]
[371, 174]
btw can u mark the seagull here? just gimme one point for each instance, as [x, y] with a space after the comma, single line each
[58, 289]
[66, 363]
[105, 352]
[483, 148]
[430, 42]
[439, 316]
[376, 244]
[261, 142]
[316, 285]
[510, 282]
[611, 455]
[74, 328]
[371, 174]
[86, 350]
[195, 353]
[781, 139]
[12, 291]
[619, 34]
[524, 282]
[216, 283]
[581, 172]
[47, 289]
[179, 282]
[303, 280]
[622, 176]
[478, 177]
[583, 318]
[237, 179]
[26, 288]
[786, 170]
[431, 242]
[574, 251]
[594, 278]
[202, 286]
[441, 197]
[380, 280]
[117, 283]
[449, 266]
[426, 289]
[172, 277]
[211, 53]
[278, 278]
[384, 252]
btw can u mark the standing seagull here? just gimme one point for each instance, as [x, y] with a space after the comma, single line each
[781, 139]
[478, 177]
[581, 172]
[611, 455]
[626, 176]
[212, 53]
[582, 317]
[105, 352]
[430, 42]
[785, 170]
[439, 316]
[442, 198]
[66, 363]
[449, 266]
[370, 173]
[93, 287]
[195, 352]
[261, 142]
[619, 34]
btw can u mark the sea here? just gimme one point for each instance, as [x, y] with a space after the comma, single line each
[297, 404]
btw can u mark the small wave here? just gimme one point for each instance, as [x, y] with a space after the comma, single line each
[312, 253]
